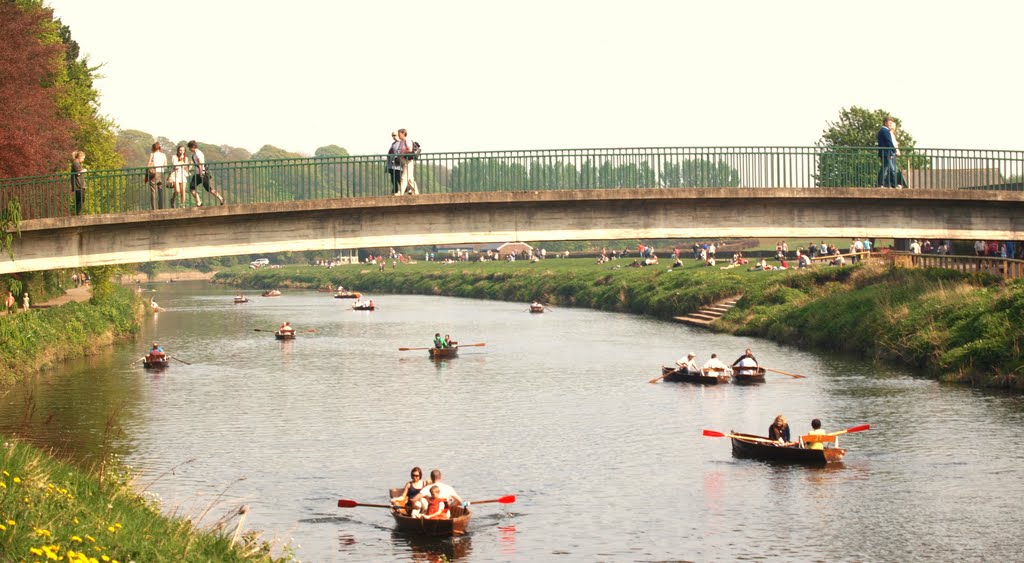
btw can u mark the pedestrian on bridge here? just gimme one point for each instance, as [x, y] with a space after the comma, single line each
[200, 175]
[394, 164]
[78, 171]
[888, 150]
[409, 186]
[155, 176]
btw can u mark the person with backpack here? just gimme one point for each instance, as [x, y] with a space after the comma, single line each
[410, 151]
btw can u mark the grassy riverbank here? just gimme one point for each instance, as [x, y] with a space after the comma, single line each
[30, 341]
[51, 510]
[953, 326]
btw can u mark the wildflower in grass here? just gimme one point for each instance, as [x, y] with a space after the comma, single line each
[3, 485]
[35, 550]
[75, 519]
[6, 474]
[42, 533]
[17, 479]
[90, 538]
[51, 551]
[11, 523]
[3, 528]
[76, 539]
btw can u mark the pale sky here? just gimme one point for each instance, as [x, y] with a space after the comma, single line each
[527, 74]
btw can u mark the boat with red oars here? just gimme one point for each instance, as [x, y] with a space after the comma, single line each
[749, 446]
[451, 351]
[456, 525]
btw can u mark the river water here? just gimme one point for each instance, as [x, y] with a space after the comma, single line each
[555, 409]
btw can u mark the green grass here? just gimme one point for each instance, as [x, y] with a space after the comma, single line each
[954, 326]
[51, 510]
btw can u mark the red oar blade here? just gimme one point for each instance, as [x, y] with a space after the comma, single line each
[860, 428]
[509, 499]
[345, 503]
[713, 434]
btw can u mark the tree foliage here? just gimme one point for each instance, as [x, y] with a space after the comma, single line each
[848, 158]
[330, 150]
[34, 137]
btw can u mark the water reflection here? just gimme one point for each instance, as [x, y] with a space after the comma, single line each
[433, 550]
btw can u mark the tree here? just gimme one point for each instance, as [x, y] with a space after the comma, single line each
[134, 147]
[847, 157]
[34, 137]
[330, 150]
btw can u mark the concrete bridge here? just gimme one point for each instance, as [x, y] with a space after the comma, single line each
[530, 215]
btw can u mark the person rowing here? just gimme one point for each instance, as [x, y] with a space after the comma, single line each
[746, 364]
[688, 365]
[779, 431]
[439, 342]
[445, 491]
[286, 328]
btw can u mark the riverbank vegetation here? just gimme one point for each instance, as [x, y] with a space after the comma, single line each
[50, 510]
[31, 340]
[949, 325]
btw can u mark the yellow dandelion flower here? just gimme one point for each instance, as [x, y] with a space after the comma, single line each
[12, 522]
[105, 558]
[76, 539]
[3, 485]
[17, 479]
[2, 528]
[75, 519]
[42, 533]
[90, 538]
[6, 474]
[118, 525]
[111, 529]
[36, 550]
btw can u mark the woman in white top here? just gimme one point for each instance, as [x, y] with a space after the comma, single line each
[180, 171]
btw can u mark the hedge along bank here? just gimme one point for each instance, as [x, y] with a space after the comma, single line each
[951, 325]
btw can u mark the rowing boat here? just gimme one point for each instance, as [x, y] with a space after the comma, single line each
[536, 308]
[285, 335]
[454, 526]
[348, 295]
[363, 307]
[157, 360]
[271, 293]
[673, 375]
[747, 376]
[749, 446]
[439, 353]
[241, 299]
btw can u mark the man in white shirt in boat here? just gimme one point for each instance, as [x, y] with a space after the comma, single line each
[447, 492]
[714, 365]
[689, 365]
[286, 328]
[745, 364]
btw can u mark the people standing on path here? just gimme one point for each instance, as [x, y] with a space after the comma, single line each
[394, 164]
[200, 175]
[78, 171]
[408, 153]
[180, 168]
[155, 176]
[10, 305]
[25, 302]
[888, 150]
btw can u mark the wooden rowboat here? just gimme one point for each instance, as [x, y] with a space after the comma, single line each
[439, 353]
[536, 308]
[348, 295]
[454, 526]
[363, 307]
[287, 335]
[271, 293]
[156, 361]
[673, 375]
[749, 446]
[747, 376]
[241, 299]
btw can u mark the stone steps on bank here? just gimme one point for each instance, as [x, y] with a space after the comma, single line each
[708, 314]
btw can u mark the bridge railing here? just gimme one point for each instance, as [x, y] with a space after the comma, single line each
[264, 181]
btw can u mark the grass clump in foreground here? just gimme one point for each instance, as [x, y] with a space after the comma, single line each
[951, 325]
[53, 511]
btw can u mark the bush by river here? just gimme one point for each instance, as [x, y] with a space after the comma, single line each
[950, 325]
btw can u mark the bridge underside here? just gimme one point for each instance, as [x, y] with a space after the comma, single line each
[174, 234]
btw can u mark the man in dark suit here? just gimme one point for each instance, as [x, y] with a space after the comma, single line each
[887, 152]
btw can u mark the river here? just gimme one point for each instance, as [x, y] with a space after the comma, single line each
[555, 409]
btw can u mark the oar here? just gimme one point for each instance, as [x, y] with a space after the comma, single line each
[716, 434]
[549, 308]
[407, 349]
[662, 376]
[182, 361]
[137, 361]
[786, 373]
[468, 345]
[275, 330]
[508, 499]
[346, 503]
[860, 428]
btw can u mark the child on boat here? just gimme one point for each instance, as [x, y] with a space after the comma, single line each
[437, 506]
